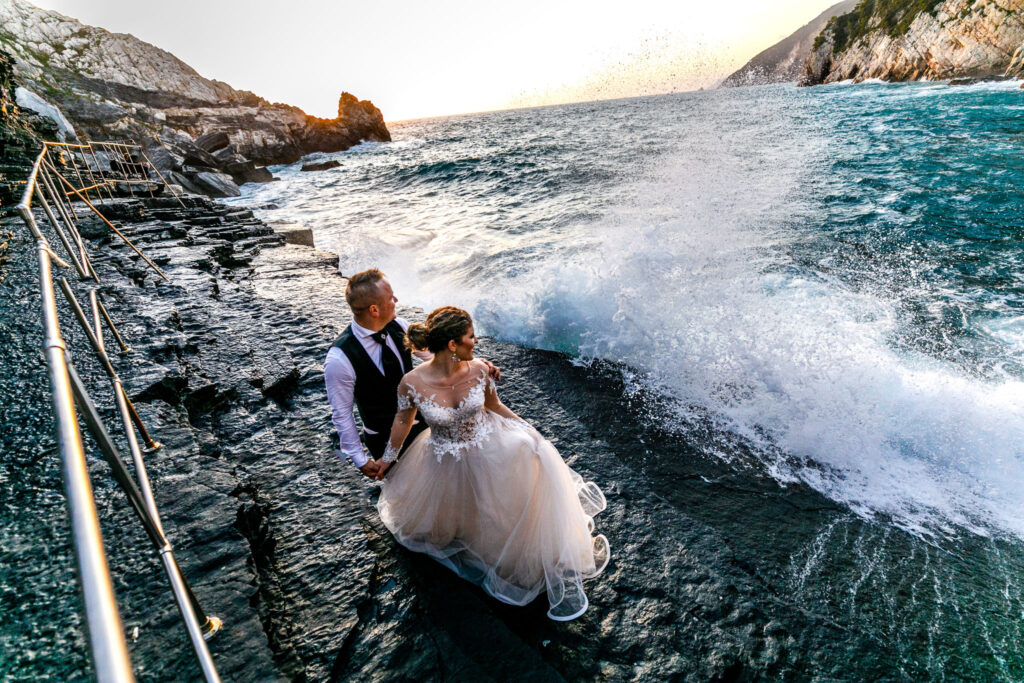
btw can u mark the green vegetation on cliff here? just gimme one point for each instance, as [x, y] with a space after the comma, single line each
[892, 16]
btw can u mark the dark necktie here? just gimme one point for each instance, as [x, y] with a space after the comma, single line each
[388, 360]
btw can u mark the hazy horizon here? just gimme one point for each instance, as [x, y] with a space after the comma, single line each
[453, 57]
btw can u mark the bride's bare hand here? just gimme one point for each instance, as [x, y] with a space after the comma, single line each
[383, 469]
[492, 370]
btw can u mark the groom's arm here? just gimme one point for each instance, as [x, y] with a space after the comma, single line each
[341, 381]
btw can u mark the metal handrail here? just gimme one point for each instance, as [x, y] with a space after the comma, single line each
[56, 195]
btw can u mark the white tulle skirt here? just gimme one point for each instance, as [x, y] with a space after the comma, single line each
[508, 515]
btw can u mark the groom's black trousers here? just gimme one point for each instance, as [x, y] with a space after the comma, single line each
[378, 443]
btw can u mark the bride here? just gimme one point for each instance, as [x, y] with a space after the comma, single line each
[481, 491]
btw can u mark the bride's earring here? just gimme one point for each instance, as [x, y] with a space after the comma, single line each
[455, 357]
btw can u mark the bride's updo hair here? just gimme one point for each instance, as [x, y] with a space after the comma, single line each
[443, 325]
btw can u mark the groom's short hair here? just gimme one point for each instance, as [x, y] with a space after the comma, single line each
[363, 289]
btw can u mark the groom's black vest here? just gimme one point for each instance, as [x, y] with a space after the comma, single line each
[376, 396]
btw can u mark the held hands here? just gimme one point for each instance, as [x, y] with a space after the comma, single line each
[371, 468]
[375, 469]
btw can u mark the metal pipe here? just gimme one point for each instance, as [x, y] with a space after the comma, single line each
[124, 171]
[121, 235]
[60, 235]
[92, 177]
[125, 349]
[69, 219]
[58, 200]
[97, 330]
[81, 183]
[99, 169]
[151, 445]
[106, 636]
[186, 601]
[161, 177]
[82, 260]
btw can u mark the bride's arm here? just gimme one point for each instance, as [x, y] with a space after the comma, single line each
[404, 419]
[494, 404]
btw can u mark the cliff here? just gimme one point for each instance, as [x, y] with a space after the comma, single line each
[904, 40]
[113, 86]
[784, 61]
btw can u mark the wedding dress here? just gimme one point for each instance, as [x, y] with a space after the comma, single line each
[490, 498]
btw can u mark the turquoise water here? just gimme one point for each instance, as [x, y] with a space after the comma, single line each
[821, 285]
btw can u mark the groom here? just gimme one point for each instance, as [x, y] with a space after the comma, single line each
[365, 365]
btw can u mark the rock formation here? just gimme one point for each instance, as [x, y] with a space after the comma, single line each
[784, 61]
[20, 132]
[114, 86]
[905, 40]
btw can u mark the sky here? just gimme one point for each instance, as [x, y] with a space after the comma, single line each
[416, 59]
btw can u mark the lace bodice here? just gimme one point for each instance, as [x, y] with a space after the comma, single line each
[453, 428]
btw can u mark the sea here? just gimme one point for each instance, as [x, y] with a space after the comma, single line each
[831, 278]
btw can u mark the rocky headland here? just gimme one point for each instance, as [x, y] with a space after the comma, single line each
[904, 40]
[784, 61]
[897, 40]
[205, 135]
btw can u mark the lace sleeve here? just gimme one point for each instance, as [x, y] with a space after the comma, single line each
[390, 453]
[405, 401]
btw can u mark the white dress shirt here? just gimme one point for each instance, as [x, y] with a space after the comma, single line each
[340, 377]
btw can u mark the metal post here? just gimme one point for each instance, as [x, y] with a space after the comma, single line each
[125, 349]
[99, 170]
[142, 500]
[69, 219]
[188, 606]
[120, 234]
[81, 183]
[129, 414]
[92, 177]
[161, 177]
[83, 256]
[124, 170]
[138, 168]
[60, 234]
[106, 635]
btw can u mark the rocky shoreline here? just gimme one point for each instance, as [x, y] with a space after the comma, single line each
[201, 134]
[281, 541]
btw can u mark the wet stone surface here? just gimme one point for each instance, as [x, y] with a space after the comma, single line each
[280, 539]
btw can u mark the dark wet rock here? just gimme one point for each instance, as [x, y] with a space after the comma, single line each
[212, 142]
[164, 160]
[194, 156]
[19, 137]
[246, 171]
[978, 79]
[216, 184]
[321, 166]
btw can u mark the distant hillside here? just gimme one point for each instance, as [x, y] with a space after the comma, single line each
[906, 40]
[113, 86]
[784, 61]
